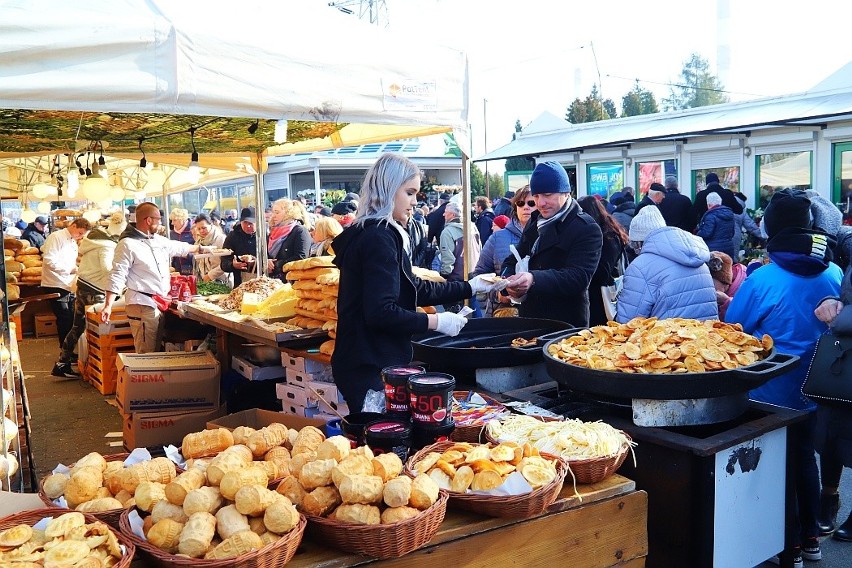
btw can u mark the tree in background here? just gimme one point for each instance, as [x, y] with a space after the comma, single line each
[477, 181]
[495, 183]
[591, 109]
[519, 163]
[697, 87]
[638, 101]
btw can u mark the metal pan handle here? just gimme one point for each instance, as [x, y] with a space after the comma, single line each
[776, 364]
[542, 339]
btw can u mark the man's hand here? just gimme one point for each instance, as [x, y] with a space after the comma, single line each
[519, 284]
[828, 310]
[106, 312]
[238, 264]
[206, 278]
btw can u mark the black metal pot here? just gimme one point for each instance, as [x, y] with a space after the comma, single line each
[486, 343]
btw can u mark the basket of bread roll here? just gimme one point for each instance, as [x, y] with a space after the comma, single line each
[503, 480]
[220, 511]
[58, 537]
[363, 503]
[103, 486]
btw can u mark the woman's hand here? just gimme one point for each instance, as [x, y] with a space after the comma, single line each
[828, 310]
[270, 266]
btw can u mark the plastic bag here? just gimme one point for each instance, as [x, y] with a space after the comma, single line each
[374, 401]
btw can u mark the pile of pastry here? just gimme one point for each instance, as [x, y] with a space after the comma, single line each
[66, 540]
[333, 480]
[23, 261]
[315, 281]
[95, 485]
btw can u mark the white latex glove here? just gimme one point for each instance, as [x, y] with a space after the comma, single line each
[480, 285]
[450, 324]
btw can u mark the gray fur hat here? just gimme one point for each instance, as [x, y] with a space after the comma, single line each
[827, 217]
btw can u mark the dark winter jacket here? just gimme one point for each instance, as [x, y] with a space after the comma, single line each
[677, 210]
[435, 221]
[644, 202]
[376, 305]
[183, 264]
[717, 229]
[699, 207]
[295, 246]
[483, 224]
[562, 266]
[604, 276]
[239, 243]
[32, 234]
[624, 213]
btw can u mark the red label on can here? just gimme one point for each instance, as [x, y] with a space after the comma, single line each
[396, 398]
[429, 408]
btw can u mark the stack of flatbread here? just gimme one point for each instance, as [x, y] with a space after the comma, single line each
[315, 281]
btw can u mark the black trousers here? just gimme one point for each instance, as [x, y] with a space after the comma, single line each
[63, 309]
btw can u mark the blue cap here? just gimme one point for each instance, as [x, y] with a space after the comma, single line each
[549, 177]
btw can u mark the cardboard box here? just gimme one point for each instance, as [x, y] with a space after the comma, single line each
[327, 391]
[255, 372]
[295, 395]
[333, 408]
[45, 325]
[152, 429]
[298, 378]
[257, 418]
[170, 347]
[302, 365]
[297, 409]
[167, 381]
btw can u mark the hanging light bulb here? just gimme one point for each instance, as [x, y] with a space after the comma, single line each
[193, 171]
[28, 215]
[156, 180]
[41, 190]
[92, 215]
[43, 207]
[280, 135]
[73, 182]
[116, 194]
[96, 188]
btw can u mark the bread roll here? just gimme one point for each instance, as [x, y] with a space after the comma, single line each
[162, 509]
[397, 491]
[123, 497]
[267, 438]
[292, 489]
[197, 534]
[424, 492]
[364, 489]
[13, 244]
[54, 485]
[83, 486]
[148, 493]
[359, 514]
[281, 517]
[336, 448]
[240, 543]
[184, 483]
[165, 535]
[253, 500]
[242, 433]
[14, 266]
[229, 521]
[30, 251]
[397, 514]
[316, 473]
[280, 456]
[32, 265]
[202, 500]
[321, 501]
[352, 465]
[206, 443]
[387, 466]
[232, 481]
[229, 460]
[308, 440]
[100, 505]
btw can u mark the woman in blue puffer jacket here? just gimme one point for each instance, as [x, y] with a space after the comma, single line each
[670, 277]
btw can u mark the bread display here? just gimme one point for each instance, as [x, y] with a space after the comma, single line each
[206, 443]
[67, 540]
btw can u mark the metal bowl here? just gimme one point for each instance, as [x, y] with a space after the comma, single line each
[261, 354]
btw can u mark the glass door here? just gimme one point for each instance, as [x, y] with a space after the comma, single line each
[842, 179]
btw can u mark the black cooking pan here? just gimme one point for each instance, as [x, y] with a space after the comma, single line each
[710, 384]
[486, 342]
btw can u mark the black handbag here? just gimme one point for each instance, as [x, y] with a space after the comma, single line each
[829, 378]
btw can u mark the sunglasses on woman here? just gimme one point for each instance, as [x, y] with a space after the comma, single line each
[529, 203]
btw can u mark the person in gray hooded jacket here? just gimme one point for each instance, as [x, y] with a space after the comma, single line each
[670, 277]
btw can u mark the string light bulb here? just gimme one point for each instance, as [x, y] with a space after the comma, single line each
[143, 163]
[252, 128]
[28, 215]
[193, 171]
[43, 207]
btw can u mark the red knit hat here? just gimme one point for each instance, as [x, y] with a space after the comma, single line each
[501, 221]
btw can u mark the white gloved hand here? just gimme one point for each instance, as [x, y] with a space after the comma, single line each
[450, 324]
[480, 286]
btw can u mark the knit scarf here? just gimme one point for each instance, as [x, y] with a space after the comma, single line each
[805, 252]
[277, 236]
[542, 223]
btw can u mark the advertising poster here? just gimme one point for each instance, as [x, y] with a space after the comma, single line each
[605, 179]
[649, 172]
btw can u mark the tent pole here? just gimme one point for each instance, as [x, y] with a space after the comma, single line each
[260, 219]
[467, 223]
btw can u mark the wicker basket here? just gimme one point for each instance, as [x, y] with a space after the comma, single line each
[274, 554]
[381, 541]
[35, 515]
[474, 434]
[597, 469]
[524, 505]
[110, 517]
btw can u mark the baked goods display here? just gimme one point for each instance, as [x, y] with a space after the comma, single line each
[262, 286]
[315, 283]
[23, 261]
[649, 345]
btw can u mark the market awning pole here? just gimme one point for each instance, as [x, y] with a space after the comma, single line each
[259, 218]
[467, 223]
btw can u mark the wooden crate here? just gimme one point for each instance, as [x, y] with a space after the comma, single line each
[100, 369]
[103, 380]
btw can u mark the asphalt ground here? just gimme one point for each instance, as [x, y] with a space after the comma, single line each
[70, 418]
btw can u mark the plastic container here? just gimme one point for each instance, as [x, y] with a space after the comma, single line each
[353, 425]
[423, 435]
[389, 435]
[431, 396]
[333, 427]
[395, 378]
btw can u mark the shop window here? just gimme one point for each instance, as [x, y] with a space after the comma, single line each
[777, 171]
[651, 172]
[605, 178]
[728, 177]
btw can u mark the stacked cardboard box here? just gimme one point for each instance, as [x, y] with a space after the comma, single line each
[164, 396]
[296, 394]
[105, 341]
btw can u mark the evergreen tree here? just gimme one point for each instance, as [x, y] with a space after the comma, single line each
[697, 87]
[518, 163]
[590, 109]
[638, 101]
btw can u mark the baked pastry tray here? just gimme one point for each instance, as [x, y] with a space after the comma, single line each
[250, 328]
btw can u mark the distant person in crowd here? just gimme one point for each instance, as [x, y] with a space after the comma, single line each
[614, 244]
[324, 212]
[422, 251]
[625, 210]
[378, 293]
[318, 209]
[141, 264]
[231, 219]
[778, 299]
[216, 221]
[712, 185]
[352, 197]
[181, 231]
[484, 217]
[561, 246]
[21, 225]
[10, 229]
[745, 222]
[669, 278]
[418, 214]
[325, 229]
[267, 215]
[344, 212]
[676, 207]
[36, 232]
[717, 226]
[503, 206]
[117, 224]
[453, 248]
[242, 242]
[59, 276]
[656, 194]
[131, 214]
[496, 250]
[435, 219]
[96, 251]
[727, 276]
[209, 235]
[289, 238]
[499, 223]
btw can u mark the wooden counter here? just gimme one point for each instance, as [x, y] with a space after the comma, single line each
[607, 528]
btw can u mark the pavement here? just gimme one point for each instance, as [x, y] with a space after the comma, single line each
[70, 418]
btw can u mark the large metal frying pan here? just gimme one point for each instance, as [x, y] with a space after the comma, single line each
[710, 384]
[486, 343]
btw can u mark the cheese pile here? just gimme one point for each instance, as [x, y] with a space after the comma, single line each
[280, 304]
[315, 281]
